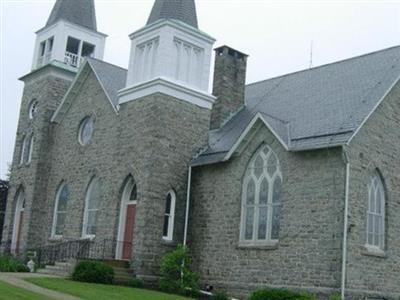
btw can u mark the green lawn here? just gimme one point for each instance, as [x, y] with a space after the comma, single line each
[10, 292]
[90, 291]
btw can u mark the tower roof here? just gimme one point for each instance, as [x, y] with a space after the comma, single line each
[79, 12]
[182, 10]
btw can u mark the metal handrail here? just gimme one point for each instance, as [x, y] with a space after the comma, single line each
[79, 249]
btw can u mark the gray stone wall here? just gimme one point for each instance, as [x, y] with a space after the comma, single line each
[48, 90]
[308, 255]
[375, 147]
[152, 139]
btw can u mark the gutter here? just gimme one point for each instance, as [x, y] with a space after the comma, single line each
[187, 205]
[346, 221]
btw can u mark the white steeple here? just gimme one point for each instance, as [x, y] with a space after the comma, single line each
[170, 55]
[70, 35]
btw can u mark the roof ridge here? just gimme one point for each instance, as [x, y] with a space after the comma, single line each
[107, 63]
[324, 65]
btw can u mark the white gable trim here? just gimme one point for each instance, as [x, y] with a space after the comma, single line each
[257, 117]
[373, 110]
[84, 71]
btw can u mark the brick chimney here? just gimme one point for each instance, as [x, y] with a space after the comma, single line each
[229, 84]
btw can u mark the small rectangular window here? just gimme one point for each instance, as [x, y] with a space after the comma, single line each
[50, 43]
[42, 48]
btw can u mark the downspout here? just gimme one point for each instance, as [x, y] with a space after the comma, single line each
[187, 206]
[346, 221]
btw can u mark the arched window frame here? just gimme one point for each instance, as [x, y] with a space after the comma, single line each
[375, 230]
[20, 201]
[57, 211]
[30, 149]
[23, 149]
[271, 207]
[26, 149]
[94, 182]
[169, 216]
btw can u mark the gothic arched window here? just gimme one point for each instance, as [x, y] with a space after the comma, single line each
[261, 200]
[92, 203]
[376, 213]
[18, 220]
[60, 211]
[23, 149]
[169, 216]
[26, 149]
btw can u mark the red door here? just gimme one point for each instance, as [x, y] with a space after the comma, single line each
[21, 220]
[128, 233]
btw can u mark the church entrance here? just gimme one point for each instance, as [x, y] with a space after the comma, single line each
[128, 234]
[18, 222]
[127, 220]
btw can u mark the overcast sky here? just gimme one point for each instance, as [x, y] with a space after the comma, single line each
[276, 34]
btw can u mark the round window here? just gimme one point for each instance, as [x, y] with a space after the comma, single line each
[86, 130]
[33, 109]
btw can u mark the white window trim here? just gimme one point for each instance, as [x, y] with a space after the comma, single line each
[22, 153]
[171, 217]
[19, 207]
[371, 247]
[31, 141]
[56, 212]
[268, 242]
[87, 210]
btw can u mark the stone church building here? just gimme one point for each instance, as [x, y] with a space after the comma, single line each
[289, 182]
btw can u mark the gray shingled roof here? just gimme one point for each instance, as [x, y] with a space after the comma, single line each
[111, 77]
[315, 108]
[182, 10]
[80, 12]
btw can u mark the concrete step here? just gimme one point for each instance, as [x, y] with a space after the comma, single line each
[56, 268]
[62, 264]
[117, 263]
[122, 271]
[53, 272]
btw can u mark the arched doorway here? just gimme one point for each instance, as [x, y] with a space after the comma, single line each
[127, 220]
[18, 221]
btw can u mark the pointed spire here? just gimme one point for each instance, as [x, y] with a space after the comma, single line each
[79, 12]
[182, 10]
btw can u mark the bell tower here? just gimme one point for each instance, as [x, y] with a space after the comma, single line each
[69, 36]
[170, 55]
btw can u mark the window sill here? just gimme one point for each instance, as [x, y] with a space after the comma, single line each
[166, 242]
[88, 237]
[373, 251]
[268, 245]
[55, 238]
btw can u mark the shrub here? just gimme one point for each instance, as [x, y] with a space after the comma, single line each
[10, 264]
[176, 276]
[135, 282]
[335, 297]
[279, 294]
[220, 296]
[93, 271]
